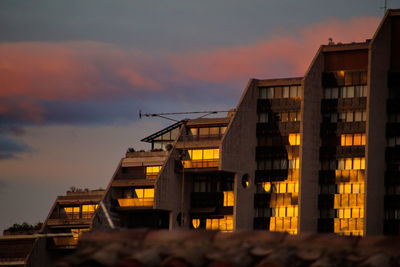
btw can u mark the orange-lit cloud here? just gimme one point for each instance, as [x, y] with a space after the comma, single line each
[278, 56]
[31, 72]
[69, 70]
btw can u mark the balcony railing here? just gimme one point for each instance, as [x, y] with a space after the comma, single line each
[200, 137]
[190, 164]
[136, 202]
[66, 241]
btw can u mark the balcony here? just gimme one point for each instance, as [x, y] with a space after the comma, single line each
[261, 223]
[353, 176]
[392, 129]
[271, 175]
[328, 128]
[207, 199]
[327, 177]
[136, 202]
[66, 241]
[262, 200]
[325, 201]
[193, 138]
[193, 164]
[392, 153]
[282, 104]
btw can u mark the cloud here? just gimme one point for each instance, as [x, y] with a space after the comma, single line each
[279, 56]
[9, 147]
[84, 81]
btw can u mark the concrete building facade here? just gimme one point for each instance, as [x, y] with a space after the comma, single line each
[308, 154]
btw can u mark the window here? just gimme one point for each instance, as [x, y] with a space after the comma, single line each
[292, 91]
[202, 158]
[263, 117]
[393, 141]
[294, 139]
[72, 212]
[351, 164]
[229, 199]
[195, 223]
[352, 140]
[88, 210]
[152, 171]
[224, 224]
[140, 197]
[201, 186]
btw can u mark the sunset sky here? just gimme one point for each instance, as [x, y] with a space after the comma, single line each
[74, 75]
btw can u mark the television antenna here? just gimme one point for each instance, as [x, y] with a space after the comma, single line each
[384, 7]
[164, 115]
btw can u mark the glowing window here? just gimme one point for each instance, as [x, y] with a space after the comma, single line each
[197, 154]
[72, 212]
[357, 139]
[357, 163]
[229, 199]
[152, 171]
[349, 140]
[224, 224]
[348, 164]
[196, 223]
[294, 139]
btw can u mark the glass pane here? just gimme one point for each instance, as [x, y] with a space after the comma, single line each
[350, 91]
[278, 92]
[214, 131]
[348, 164]
[293, 91]
[263, 93]
[343, 140]
[204, 131]
[349, 140]
[285, 116]
[270, 92]
[358, 116]
[208, 154]
[335, 93]
[216, 153]
[286, 92]
[197, 154]
[149, 193]
[357, 139]
[193, 131]
[349, 116]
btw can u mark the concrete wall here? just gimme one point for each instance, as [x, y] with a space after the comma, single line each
[310, 144]
[39, 256]
[379, 64]
[238, 155]
[168, 190]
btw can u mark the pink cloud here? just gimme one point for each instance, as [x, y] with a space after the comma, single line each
[286, 55]
[84, 70]
[70, 70]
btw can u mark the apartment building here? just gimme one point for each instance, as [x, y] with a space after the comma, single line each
[69, 217]
[317, 153]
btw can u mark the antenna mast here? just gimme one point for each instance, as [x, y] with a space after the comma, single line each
[164, 115]
[385, 6]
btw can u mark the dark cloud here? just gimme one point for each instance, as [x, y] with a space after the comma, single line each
[9, 147]
[174, 25]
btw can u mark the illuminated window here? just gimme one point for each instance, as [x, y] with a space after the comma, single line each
[72, 212]
[141, 197]
[152, 171]
[88, 210]
[202, 158]
[294, 139]
[196, 223]
[352, 139]
[229, 199]
[224, 224]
